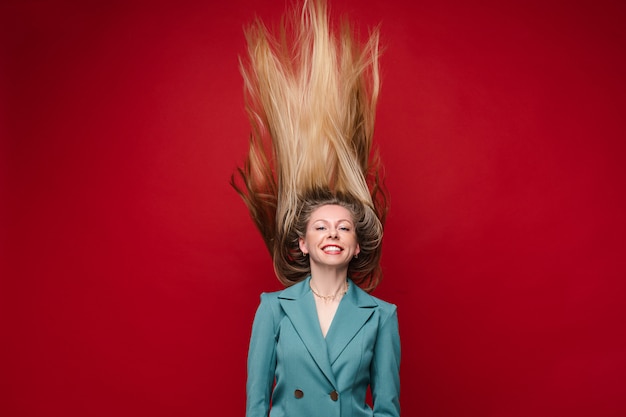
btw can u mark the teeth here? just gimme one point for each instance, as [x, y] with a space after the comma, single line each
[332, 249]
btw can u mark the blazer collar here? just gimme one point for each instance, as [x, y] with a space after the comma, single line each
[356, 295]
[354, 310]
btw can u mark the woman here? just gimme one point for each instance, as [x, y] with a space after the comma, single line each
[314, 193]
[324, 340]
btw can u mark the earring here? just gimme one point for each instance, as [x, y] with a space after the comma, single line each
[356, 256]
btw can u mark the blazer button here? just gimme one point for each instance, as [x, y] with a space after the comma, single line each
[334, 396]
[298, 393]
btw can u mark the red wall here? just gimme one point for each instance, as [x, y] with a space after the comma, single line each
[133, 270]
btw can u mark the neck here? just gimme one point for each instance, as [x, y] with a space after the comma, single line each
[328, 281]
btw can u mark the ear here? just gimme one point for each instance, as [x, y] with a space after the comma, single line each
[302, 245]
[357, 250]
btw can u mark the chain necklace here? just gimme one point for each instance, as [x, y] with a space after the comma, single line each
[332, 297]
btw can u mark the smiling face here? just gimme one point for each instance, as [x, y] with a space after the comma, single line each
[330, 239]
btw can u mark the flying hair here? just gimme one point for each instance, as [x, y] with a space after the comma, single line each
[311, 94]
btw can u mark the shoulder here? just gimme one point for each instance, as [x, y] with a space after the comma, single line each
[270, 302]
[291, 292]
[384, 308]
[270, 297]
[268, 311]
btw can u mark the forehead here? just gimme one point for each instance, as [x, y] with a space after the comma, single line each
[331, 212]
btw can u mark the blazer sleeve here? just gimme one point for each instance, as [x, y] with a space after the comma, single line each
[385, 368]
[261, 360]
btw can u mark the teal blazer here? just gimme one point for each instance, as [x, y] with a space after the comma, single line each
[293, 368]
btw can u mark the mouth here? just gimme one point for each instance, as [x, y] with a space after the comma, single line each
[332, 249]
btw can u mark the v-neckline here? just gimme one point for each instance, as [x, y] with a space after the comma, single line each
[332, 319]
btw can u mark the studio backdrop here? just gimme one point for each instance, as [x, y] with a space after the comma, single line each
[131, 269]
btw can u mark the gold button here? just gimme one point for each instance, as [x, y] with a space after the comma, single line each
[334, 396]
[298, 393]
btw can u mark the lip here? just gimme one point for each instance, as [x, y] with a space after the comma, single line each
[330, 249]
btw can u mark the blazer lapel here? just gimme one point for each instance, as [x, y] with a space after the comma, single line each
[299, 306]
[355, 309]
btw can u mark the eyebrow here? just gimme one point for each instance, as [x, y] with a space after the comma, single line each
[329, 221]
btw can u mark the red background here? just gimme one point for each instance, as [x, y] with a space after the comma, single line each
[132, 269]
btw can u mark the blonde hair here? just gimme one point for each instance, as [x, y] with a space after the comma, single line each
[311, 97]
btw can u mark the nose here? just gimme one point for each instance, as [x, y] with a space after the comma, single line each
[332, 233]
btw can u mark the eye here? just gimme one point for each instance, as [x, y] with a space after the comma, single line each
[344, 228]
[320, 228]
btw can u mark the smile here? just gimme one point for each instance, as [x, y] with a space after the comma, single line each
[332, 249]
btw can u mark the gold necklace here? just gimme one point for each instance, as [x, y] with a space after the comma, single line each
[329, 298]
